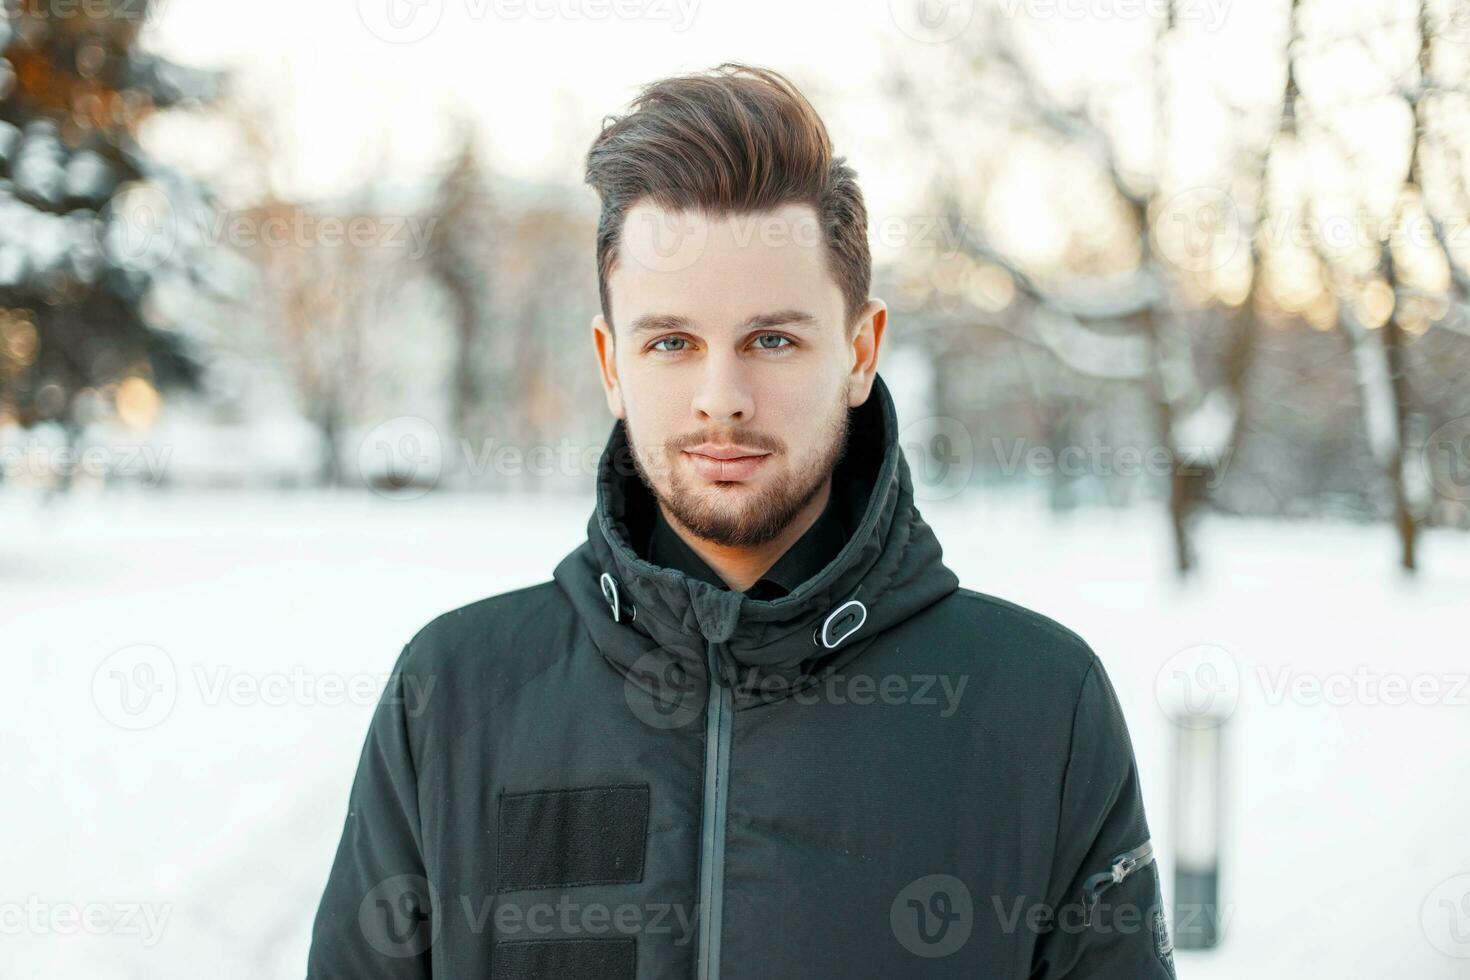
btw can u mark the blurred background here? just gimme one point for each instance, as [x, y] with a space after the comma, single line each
[294, 356]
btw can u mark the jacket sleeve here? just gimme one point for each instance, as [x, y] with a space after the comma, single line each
[1108, 920]
[378, 915]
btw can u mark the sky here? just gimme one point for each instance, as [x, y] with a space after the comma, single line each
[356, 78]
[538, 75]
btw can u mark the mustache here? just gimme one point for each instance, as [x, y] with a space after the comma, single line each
[750, 440]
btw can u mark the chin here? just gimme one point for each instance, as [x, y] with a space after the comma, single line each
[729, 504]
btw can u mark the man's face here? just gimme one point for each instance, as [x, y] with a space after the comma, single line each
[731, 365]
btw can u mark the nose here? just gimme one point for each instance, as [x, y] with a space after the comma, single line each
[723, 395]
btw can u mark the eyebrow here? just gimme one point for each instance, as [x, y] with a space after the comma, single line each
[651, 322]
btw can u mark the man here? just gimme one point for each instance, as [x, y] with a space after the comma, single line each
[752, 727]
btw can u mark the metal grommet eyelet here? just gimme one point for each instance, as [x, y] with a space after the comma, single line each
[610, 593]
[823, 634]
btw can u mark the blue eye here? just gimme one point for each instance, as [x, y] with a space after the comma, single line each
[785, 341]
[665, 340]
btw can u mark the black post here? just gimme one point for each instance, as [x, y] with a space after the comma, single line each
[1199, 773]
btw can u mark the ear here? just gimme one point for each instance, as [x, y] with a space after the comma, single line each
[607, 365]
[867, 338]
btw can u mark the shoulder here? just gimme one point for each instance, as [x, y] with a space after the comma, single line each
[1016, 625]
[1033, 678]
[470, 636]
[462, 665]
[1032, 649]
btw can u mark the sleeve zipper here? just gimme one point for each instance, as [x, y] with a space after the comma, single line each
[1122, 866]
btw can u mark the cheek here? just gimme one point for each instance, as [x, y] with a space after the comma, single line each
[652, 422]
[802, 408]
[655, 396]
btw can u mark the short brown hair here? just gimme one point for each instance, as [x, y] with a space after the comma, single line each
[733, 140]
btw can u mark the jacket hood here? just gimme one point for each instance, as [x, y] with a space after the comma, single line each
[652, 622]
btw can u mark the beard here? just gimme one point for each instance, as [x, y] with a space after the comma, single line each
[734, 517]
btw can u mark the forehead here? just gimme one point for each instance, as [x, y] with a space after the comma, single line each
[717, 271]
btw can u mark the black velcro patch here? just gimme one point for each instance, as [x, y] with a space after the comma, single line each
[1163, 945]
[562, 837]
[564, 959]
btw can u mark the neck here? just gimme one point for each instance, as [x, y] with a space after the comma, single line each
[740, 568]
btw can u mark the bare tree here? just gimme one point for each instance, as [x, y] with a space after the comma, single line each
[1381, 341]
[326, 276]
[1136, 314]
[1145, 327]
[461, 258]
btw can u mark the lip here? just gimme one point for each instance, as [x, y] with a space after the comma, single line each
[726, 464]
[714, 451]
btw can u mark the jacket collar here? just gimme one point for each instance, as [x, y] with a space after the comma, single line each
[645, 618]
[806, 556]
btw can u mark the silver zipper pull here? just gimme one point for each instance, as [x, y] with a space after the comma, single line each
[1132, 861]
[1120, 868]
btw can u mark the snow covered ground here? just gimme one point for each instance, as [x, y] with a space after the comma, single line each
[191, 833]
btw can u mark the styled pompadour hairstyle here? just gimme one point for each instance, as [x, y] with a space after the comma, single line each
[730, 141]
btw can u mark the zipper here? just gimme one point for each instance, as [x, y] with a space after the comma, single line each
[712, 823]
[1122, 866]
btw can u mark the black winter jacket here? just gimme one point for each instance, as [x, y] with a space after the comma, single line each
[629, 773]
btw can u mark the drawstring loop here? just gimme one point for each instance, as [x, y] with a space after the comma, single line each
[614, 599]
[852, 609]
[839, 624]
